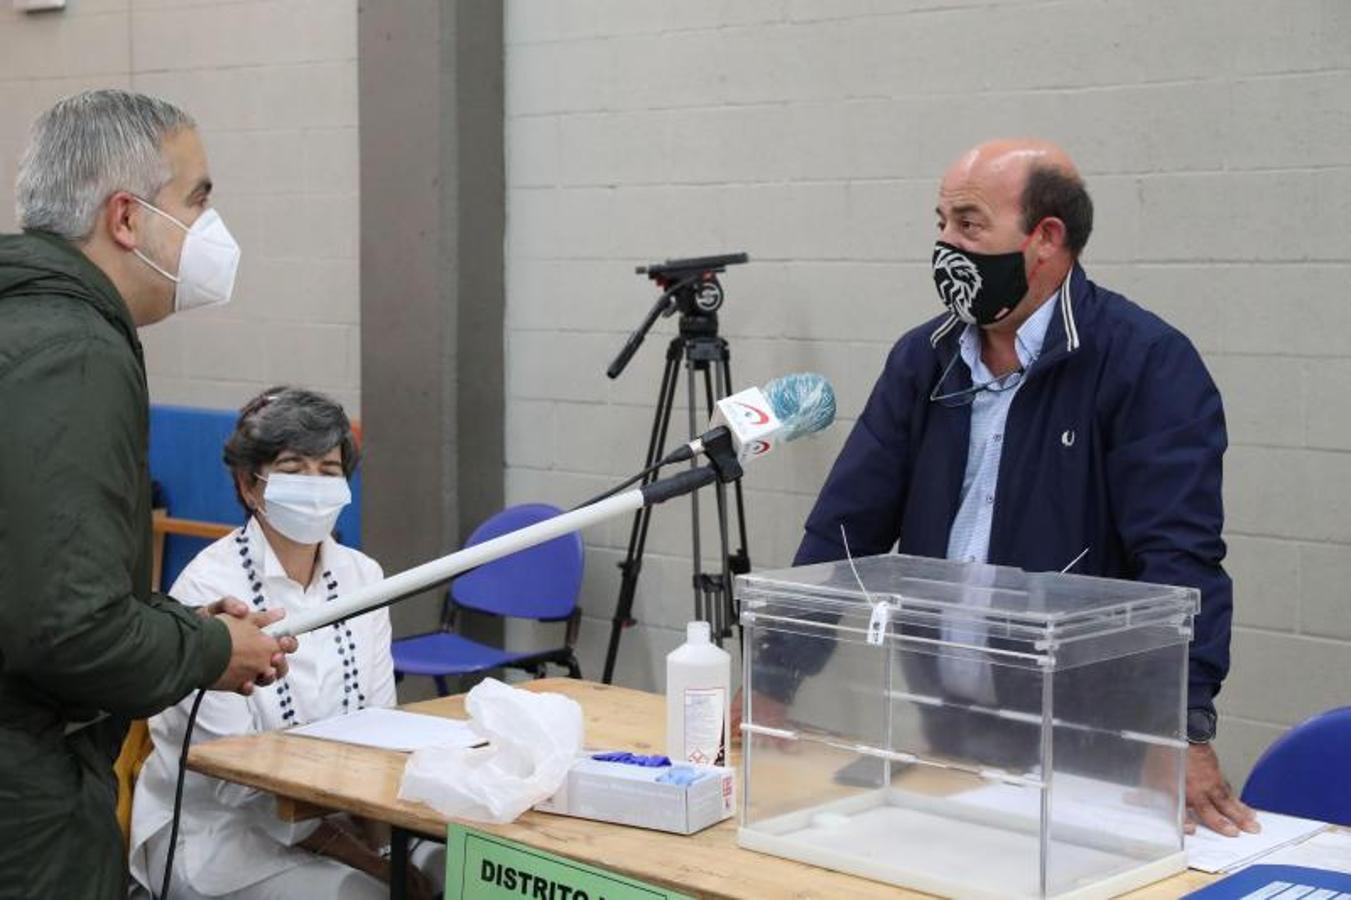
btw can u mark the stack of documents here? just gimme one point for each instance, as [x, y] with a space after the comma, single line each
[1327, 850]
[1209, 851]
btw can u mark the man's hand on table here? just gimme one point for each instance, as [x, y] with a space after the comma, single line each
[1211, 800]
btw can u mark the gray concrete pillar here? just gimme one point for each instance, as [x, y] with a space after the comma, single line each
[432, 218]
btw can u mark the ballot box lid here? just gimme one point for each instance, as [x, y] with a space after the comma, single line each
[1042, 608]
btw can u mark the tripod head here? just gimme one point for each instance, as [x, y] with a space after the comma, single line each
[689, 287]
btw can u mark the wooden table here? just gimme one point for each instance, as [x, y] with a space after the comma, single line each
[312, 777]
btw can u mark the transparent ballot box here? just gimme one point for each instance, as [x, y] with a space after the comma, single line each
[966, 730]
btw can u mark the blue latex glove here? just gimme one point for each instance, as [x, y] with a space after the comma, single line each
[633, 759]
[681, 775]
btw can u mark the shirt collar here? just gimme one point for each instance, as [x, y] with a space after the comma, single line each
[271, 564]
[1027, 342]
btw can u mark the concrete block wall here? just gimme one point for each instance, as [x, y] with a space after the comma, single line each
[812, 133]
[273, 86]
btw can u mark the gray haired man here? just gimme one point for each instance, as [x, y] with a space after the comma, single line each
[113, 196]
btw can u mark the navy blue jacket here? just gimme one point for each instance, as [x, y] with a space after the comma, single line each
[1114, 442]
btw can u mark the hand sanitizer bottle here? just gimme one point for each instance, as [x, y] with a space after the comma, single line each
[698, 699]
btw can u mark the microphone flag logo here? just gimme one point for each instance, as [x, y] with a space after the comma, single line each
[758, 448]
[752, 415]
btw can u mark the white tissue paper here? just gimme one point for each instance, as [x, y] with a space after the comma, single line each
[532, 741]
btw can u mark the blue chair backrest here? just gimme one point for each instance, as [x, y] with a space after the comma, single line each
[540, 582]
[1307, 771]
[185, 461]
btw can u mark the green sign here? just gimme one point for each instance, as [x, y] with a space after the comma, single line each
[481, 866]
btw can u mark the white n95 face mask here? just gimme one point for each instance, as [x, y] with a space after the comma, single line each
[206, 265]
[304, 507]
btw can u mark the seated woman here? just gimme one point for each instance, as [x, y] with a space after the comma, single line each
[291, 454]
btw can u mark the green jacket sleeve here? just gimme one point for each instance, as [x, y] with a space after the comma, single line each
[70, 620]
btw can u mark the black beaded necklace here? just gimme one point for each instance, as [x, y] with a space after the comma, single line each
[342, 636]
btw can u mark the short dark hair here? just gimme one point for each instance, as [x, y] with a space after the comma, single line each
[286, 418]
[1053, 192]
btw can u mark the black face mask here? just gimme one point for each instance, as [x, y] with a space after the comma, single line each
[979, 288]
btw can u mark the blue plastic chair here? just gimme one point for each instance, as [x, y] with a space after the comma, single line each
[193, 483]
[1304, 773]
[540, 582]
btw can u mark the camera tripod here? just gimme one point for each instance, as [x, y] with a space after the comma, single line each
[691, 288]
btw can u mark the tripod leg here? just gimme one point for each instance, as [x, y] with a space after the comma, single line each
[632, 565]
[724, 599]
[720, 589]
[740, 561]
[699, 606]
[742, 558]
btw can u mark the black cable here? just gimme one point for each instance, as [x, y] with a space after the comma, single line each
[683, 453]
[178, 796]
[650, 470]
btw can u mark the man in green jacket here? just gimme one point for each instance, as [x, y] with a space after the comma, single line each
[113, 197]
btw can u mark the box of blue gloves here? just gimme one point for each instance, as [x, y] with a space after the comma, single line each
[645, 792]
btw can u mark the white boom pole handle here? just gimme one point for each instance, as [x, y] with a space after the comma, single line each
[419, 578]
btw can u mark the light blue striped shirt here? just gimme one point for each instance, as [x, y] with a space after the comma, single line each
[969, 539]
[965, 675]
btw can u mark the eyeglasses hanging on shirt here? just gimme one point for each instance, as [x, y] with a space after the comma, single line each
[967, 395]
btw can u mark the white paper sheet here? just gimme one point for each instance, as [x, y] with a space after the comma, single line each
[1088, 804]
[392, 729]
[1095, 805]
[1329, 850]
[1210, 851]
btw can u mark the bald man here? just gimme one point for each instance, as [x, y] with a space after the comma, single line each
[1039, 420]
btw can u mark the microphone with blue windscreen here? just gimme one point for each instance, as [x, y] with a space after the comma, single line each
[758, 420]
